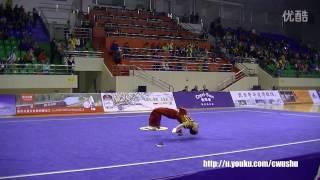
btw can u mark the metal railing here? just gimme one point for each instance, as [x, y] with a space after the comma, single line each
[190, 28]
[246, 60]
[136, 71]
[99, 17]
[95, 54]
[142, 27]
[149, 50]
[120, 34]
[79, 32]
[247, 71]
[139, 26]
[171, 58]
[183, 66]
[227, 82]
[126, 13]
[36, 69]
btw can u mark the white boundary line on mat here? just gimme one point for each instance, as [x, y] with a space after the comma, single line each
[158, 161]
[282, 113]
[106, 116]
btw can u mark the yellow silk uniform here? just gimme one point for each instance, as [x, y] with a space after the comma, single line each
[186, 121]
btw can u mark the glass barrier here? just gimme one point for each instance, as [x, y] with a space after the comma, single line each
[93, 54]
[38, 69]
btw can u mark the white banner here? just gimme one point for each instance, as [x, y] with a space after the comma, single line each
[253, 98]
[314, 96]
[130, 102]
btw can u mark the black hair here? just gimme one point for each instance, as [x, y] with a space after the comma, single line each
[193, 132]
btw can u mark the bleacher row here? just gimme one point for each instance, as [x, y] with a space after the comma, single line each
[137, 14]
[139, 39]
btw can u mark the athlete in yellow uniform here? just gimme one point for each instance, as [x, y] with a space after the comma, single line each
[185, 121]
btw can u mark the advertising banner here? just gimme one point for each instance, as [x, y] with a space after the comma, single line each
[315, 97]
[136, 101]
[296, 96]
[253, 98]
[302, 97]
[287, 96]
[203, 99]
[34, 104]
[7, 105]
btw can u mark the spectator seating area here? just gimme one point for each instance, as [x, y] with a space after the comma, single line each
[24, 42]
[279, 55]
[151, 42]
[79, 38]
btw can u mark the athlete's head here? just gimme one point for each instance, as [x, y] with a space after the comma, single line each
[194, 129]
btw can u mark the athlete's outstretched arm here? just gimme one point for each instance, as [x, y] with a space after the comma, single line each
[177, 129]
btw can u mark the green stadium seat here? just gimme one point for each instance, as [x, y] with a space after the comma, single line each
[3, 54]
[30, 68]
[23, 71]
[8, 49]
[7, 42]
[18, 54]
[7, 71]
[13, 42]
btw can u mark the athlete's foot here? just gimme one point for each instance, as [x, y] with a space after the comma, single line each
[154, 128]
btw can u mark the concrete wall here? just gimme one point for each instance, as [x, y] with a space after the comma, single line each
[88, 64]
[94, 74]
[177, 79]
[105, 80]
[299, 83]
[36, 91]
[38, 81]
[87, 82]
[266, 81]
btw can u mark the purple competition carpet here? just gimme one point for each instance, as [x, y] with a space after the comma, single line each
[113, 147]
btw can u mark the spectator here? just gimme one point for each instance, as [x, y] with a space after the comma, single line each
[196, 18]
[186, 89]
[12, 58]
[53, 49]
[117, 57]
[165, 66]
[170, 46]
[42, 58]
[35, 16]
[126, 47]
[46, 68]
[195, 89]
[114, 47]
[70, 63]
[204, 88]
[72, 43]
[165, 47]
[2, 67]
[189, 50]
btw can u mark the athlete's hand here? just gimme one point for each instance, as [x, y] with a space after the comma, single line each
[174, 130]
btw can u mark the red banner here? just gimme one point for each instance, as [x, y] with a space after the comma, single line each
[38, 104]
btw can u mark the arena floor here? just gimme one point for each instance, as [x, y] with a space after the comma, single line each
[113, 147]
